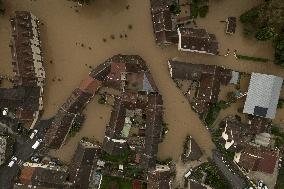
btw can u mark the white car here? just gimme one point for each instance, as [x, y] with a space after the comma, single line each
[13, 161]
[37, 143]
[33, 134]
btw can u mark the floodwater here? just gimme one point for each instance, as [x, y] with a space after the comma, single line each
[64, 31]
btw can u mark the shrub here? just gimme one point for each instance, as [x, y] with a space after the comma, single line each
[203, 11]
[279, 50]
[265, 33]
[175, 8]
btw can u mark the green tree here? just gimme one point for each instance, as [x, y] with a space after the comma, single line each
[265, 33]
[249, 16]
[2, 10]
[175, 8]
[279, 50]
[84, 1]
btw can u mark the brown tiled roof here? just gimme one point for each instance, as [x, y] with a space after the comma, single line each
[21, 47]
[259, 159]
[26, 175]
[90, 85]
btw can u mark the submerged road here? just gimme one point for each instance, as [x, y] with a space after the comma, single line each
[234, 179]
[23, 151]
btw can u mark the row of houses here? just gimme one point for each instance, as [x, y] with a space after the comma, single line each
[25, 99]
[169, 30]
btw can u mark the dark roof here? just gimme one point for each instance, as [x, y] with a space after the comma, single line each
[195, 151]
[198, 40]
[82, 164]
[154, 120]
[231, 25]
[57, 132]
[163, 23]
[210, 78]
[77, 101]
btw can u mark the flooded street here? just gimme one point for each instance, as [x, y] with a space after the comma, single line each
[74, 41]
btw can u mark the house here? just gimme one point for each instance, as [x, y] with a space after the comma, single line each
[67, 116]
[231, 25]
[82, 163]
[160, 178]
[263, 95]
[193, 151]
[26, 51]
[197, 40]
[253, 158]
[25, 98]
[163, 22]
[210, 78]
[235, 133]
[153, 131]
[43, 175]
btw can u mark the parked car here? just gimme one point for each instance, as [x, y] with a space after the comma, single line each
[35, 159]
[33, 134]
[37, 143]
[13, 161]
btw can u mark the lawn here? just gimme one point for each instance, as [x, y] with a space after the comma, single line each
[109, 182]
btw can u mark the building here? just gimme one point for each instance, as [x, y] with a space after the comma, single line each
[26, 51]
[160, 178]
[193, 151]
[82, 164]
[70, 113]
[263, 95]
[164, 22]
[43, 175]
[253, 158]
[25, 99]
[197, 40]
[210, 78]
[231, 25]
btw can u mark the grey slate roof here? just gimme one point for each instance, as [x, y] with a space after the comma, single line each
[263, 95]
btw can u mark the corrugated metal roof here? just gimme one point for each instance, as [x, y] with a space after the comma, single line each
[263, 94]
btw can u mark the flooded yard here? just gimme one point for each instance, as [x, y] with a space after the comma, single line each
[77, 39]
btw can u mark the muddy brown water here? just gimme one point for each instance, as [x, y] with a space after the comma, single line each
[64, 31]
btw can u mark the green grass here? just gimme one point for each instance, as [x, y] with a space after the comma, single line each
[109, 182]
[214, 177]
[214, 111]
[122, 158]
[251, 58]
